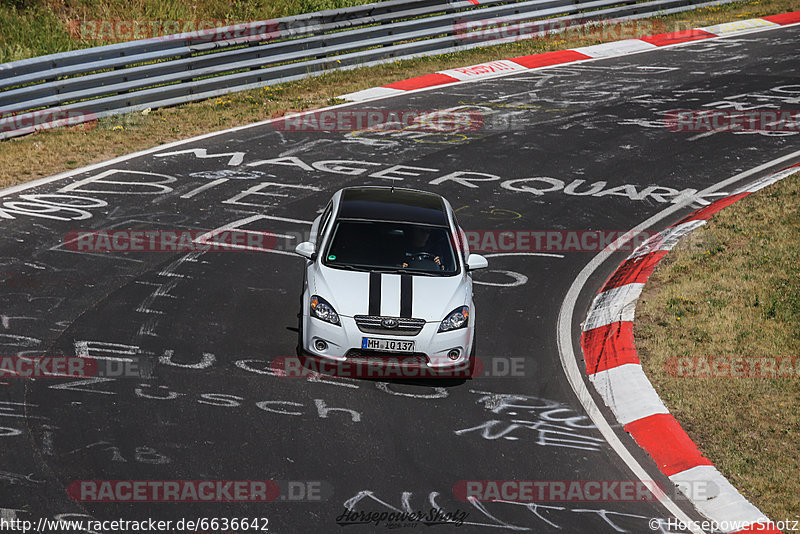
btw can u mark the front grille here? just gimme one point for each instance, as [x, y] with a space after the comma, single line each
[371, 324]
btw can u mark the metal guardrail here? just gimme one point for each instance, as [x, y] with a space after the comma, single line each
[81, 85]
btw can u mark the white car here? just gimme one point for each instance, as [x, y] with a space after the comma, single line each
[388, 273]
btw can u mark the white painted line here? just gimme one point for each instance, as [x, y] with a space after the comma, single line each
[715, 497]
[666, 239]
[612, 306]
[372, 93]
[204, 187]
[566, 351]
[616, 48]
[627, 391]
[105, 255]
[758, 185]
[283, 219]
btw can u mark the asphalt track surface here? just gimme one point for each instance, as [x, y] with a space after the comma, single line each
[206, 326]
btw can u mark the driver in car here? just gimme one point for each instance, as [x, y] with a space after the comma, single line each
[420, 246]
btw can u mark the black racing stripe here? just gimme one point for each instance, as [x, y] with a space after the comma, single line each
[374, 293]
[406, 294]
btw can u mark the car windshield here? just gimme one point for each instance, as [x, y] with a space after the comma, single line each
[391, 246]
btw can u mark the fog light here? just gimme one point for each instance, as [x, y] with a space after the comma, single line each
[453, 354]
[320, 345]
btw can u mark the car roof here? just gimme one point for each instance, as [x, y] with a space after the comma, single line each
[393, 204]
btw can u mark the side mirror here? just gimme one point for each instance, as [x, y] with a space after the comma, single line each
[306, 249]
[476, 261]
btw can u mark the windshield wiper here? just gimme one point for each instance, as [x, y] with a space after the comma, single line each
[407, 271]
[382, 270]
[350, 268]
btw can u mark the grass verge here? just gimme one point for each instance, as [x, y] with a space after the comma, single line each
[49, 152]
[732, 289]
[31, 28]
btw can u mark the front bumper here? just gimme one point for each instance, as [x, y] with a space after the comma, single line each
[430, 345]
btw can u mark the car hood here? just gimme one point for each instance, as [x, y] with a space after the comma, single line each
[432, 297]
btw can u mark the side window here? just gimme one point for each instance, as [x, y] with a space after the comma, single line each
[323, 224]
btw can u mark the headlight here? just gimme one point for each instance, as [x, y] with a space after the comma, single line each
[323, 311]
[458, 318]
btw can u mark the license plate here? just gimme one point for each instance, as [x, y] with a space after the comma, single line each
[389, 345]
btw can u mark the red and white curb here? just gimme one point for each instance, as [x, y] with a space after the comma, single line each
[614, 369]
[504, 67]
